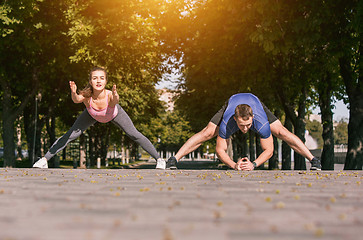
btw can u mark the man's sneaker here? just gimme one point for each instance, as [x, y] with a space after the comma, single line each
[315, 164]
[171, 164]
[41, 163]
[160, 164]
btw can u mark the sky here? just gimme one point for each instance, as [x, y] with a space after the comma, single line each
[340, 111]
[166, 84]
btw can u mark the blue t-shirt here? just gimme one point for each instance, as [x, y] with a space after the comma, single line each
[260, 123]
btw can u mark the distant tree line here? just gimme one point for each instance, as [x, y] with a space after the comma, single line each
[291, 54]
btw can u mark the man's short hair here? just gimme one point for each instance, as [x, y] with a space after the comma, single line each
[244, 111]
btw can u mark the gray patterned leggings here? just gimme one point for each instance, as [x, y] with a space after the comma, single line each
[84, 121]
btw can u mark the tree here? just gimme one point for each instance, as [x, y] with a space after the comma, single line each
[350, 62]
[235, 46]
[18, 73]
[324, 65]
[325, 93]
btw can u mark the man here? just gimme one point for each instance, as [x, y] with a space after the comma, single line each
[244, 111]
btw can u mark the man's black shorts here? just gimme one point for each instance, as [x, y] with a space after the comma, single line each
[217, 118]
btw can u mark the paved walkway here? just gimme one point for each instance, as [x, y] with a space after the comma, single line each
[183, 204]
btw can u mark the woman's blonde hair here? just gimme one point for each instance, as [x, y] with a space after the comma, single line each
[88, 90]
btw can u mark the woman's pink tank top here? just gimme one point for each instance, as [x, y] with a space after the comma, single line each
[104, 115]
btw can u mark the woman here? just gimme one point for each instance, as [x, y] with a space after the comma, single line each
[101, 106]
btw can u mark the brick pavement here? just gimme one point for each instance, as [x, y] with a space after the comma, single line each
[183, 204]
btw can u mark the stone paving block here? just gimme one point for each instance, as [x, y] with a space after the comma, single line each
[182, 204]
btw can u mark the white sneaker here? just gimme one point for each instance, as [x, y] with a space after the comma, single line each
[160, 164]
[41, 163]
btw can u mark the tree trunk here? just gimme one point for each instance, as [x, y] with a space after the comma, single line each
[354, 159]
[38, 142]
[286, 150]
[9, 115]
[105, 142]
[240, 147]
[244, 150]
[273, 162]
[64, 154]
[259, 151]
[29, 130]
[235, 147]
[29, 126]
[91, 149]
[9, 141]
[325, 94]
[299, 161]
[19, 147]
[53, 138]
[8, 128]
[252, 145]
[82, 151]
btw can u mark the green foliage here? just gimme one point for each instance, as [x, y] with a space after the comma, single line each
[341, 133]
[168, 132]
[241, 46]
[121, 35]
[6, 21]
[124, 37]
[315, 130]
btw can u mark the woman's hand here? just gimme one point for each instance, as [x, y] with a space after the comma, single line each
[114, 97]
[73, 86]
[75, 97]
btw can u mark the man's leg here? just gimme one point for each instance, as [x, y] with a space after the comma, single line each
[279, 131]
[210, 131]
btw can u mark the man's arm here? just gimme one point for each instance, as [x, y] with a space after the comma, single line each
[221, 150]
[267, 145]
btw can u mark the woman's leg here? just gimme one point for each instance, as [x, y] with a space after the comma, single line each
[83, 122]
[123, 121]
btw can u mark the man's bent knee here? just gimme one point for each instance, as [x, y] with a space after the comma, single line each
[279, 131]
[210, 131]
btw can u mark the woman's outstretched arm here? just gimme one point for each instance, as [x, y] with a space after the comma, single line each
[75, 96]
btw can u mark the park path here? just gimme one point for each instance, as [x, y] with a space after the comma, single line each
[183, 204]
